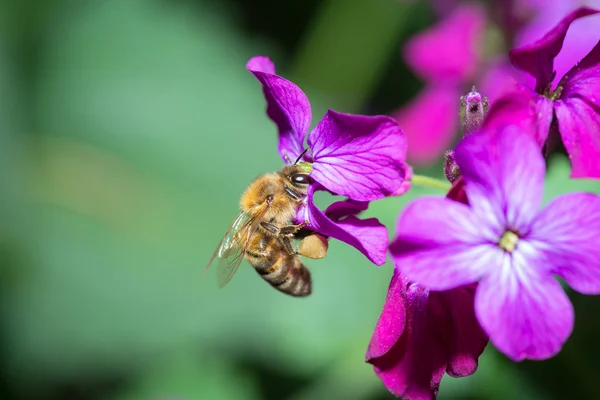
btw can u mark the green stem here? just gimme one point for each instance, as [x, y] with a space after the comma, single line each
[430, 182]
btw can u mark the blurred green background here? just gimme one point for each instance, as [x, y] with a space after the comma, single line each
[128, 131]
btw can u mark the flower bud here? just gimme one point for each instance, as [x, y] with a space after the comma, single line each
[473, 109]
[451, 168]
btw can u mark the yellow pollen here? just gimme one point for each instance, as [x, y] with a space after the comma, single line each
[508, 241]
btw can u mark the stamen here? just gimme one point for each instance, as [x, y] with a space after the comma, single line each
[508, 241]
[555, 94]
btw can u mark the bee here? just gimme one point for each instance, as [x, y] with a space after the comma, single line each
[264, 232]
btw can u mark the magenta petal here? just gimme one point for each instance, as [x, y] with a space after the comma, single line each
[261, 64]
[578, 116]
[544, 113]
[430, 122]
[583, 80]
[538, 58]
[420, 334]
[579, 127]
[368, 236]
[287, 106]
[455, 313]
[526, 314]
[360, 157]
[499, 78]
[392, 320]
[582, 35]
[449, 52]
[341, 209]
[504, 177]
[567, 230]
[440, 245]
[406, 185]
[524, 108]
[414, 366]
[457, 192]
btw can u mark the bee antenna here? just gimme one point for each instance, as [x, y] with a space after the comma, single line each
[300, 156]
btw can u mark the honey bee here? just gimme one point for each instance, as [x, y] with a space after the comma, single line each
[264, 232]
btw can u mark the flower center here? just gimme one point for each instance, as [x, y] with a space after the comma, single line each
[553, 94]
[508, 241]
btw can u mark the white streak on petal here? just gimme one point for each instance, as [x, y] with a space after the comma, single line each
[523, 309]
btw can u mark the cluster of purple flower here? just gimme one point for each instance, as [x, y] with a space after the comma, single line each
[481, 262]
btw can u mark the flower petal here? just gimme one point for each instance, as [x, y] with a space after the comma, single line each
[440, 244]
[504, 176]
[567, 231]
[578, 115]
[455, 314]
[499, 78]
[368, 236]
[457, 192]
[421, 333]
[525, 313]
[583, 80]
[538, 58]
[430, 122]
[287, 106]
[359, 157]
[449, 51]
[406, 185]
[391, 322]
[524, 108]
[414, 366]
[579, 127]
[341, 209]
[261, 64]
[580, 38]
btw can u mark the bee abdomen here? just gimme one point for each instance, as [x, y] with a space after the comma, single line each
[288, 275]
[301, 283]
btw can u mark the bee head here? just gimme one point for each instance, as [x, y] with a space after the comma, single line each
[298, 176]
[300, 179]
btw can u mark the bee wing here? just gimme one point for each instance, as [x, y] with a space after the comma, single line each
[228, 265]
[226, 244]
[230, 253]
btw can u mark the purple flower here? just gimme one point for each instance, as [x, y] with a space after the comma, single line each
[506, 244]
[581, 37]
[356, 156]
[422, 334]
[445, 56]
[359, 157]
[574, 100]
[449, 57]
[339, 221]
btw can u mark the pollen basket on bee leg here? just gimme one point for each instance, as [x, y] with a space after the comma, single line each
[313, 246]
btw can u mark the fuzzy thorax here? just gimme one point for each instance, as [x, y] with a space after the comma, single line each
[281, 208]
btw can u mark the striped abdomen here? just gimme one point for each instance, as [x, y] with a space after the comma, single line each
[285, 272]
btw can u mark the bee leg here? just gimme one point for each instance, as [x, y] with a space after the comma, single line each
[290, 230]
[270, 228]
[313, 246]
[287, 243]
